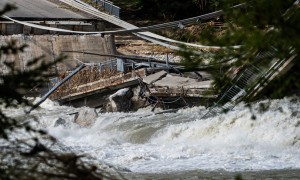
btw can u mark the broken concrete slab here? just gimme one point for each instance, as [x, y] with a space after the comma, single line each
[154, 77]
[175, 81]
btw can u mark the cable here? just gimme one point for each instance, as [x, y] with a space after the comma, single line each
[47, 28]
[128, 26]
[131, 28]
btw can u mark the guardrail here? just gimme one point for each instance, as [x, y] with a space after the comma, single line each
[109, 7]
[155, 38]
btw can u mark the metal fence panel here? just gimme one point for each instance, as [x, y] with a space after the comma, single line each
[109, 7]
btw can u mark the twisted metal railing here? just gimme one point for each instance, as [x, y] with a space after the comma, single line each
[246, 84]
[227, 100]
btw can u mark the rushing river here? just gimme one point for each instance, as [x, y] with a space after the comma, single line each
[146, 143]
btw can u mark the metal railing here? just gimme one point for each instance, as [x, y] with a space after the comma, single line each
[155, 38]
[109, 7]
[248, 82]
[227, 100]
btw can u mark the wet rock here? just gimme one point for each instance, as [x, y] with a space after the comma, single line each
[60, 122]
[86, 117]
[138, 99]
[120, 101]
[108, 107]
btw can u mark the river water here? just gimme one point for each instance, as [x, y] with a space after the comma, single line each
[142, 142]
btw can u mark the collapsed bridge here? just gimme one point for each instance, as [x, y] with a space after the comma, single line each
[246, 82]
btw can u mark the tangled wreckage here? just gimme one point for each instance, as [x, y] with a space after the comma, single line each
[125, 85]
[116, 82]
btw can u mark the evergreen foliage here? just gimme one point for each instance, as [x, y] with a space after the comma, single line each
[261, 27]
[164, 10]
[26, 152]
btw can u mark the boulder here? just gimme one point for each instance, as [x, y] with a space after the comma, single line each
[120, 101]
[60, 122]
[86, 117]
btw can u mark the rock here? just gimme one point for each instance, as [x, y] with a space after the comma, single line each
[108, 107]
[138, 99]
[60, 122]
[86, 117]
[120, 101]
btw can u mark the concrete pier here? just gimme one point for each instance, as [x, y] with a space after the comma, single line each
[53, 45]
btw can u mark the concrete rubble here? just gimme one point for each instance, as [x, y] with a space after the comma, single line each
[101, 83]
[177, 81]
[86, 117]
[120, 101]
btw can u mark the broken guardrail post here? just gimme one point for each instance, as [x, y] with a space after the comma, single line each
[120, 65]
[55, 87]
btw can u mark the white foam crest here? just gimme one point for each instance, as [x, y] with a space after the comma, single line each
[47, 104]
[144, 142]
[276, 126]
[107, 130]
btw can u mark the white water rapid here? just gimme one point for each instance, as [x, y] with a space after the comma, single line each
[143, 142]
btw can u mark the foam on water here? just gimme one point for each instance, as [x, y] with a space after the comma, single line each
[143, 142]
